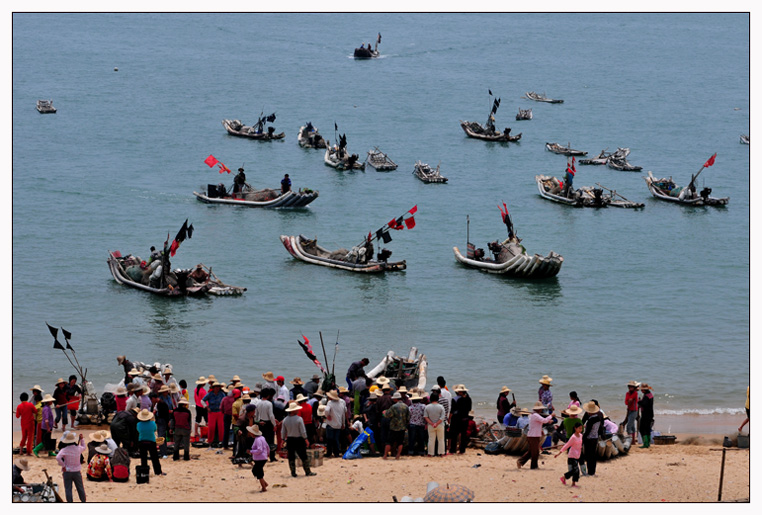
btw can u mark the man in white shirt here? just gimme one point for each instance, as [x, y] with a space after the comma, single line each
[336, 417]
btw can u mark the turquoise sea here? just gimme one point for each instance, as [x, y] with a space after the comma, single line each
[659, 295]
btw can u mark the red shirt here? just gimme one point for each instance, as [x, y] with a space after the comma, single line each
[631, 400]
[121, 402]
[306, 413]
[26, 412]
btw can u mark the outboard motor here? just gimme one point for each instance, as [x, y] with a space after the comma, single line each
[598, 194]
[352, 160]
[384, 255]
[270, 131]
[705, 193]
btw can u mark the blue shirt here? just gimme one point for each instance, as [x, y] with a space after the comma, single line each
[146, 431]
[214, 400]
[510, 420]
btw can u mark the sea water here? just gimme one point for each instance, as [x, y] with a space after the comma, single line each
[659, 295]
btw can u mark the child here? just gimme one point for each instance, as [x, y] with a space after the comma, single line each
[574, 400]
[575, 450]
[260, 453]
[37, 401]
[27, 413]
[47, 427]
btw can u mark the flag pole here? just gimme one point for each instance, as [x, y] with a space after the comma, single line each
[468, 230]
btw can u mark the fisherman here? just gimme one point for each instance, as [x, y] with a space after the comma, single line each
[312, 385]
[239, 181]
[544, 394]
[155, 255]
[631, 401]
[356, 370]
[295, 434]
[285, 185]
[199, 274]
[459, 419]
[568, 180]
[399, 418]
[127, 365]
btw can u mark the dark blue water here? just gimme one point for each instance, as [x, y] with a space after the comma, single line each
[659, 295]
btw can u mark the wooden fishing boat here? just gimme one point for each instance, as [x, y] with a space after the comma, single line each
[410, 369]
[217, 194]
[622, 165]
[368, 53]
[600, 159]
[256, 131]
[558, 149]
[45, 106]
[380, 161]
[744, 139]
[540, 97]
[550, 188]
[509, 257]
[524, 114]
[476, 130]
[514, 441]
[309, 137]
[339, 158]
[426, 174]
[667, 189]
[358, 259]
[131, 271]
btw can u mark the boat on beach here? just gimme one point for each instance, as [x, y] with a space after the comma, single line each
[551, 188]
[45, 107]
[424, 172]
[540, 97]
[248, 196]
[380, 161]
[410, 370]
[367, 53]
[131, 271]
[487, 132]
[309, 137]
[567, 151]
[358, 259]
[256, 131]
[666, 189]
[509, 257]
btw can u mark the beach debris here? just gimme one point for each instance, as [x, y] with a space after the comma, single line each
[476, 466]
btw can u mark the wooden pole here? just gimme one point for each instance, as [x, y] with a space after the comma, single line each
[722, 475]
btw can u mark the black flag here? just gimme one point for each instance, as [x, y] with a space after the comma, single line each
[68, 346]
[383, 235]
[271, 118]
[53, 330]
[490, 92]
[57, 345]
[335, 126]
[190, 231]
[182, 233]
[66, 333]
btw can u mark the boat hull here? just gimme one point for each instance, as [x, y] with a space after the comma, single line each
[290, 199]
[294, 247]
[697, 201]
[498, 136]
[558, 149]
[338, 164]
[261, 136]
[522, 265]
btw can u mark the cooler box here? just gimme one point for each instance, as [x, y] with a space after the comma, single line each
[141, 474]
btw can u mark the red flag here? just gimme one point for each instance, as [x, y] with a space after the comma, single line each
[173, 248]
[574, 169]
[211, 161]
[394, 224]
[410, 222]
[224, 168]
[710, 161]
[413, 210]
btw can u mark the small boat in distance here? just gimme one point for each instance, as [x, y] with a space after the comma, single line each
[368, 53]
[248, 196]
[380, 161]
[309, 137]
[45, 106]
[744, 139]
[358, 259]
[667, 189]
[551, 188]
[426, 174]
[524, 114]
[558, 149]
[256, 131]
[338, 157]
[540, 97]
[487, 132]
[601, 159]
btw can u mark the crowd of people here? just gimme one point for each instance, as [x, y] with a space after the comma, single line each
[259, 423]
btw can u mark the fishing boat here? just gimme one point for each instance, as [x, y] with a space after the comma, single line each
[380, 161]
[426, 174]
[600, 159]
[551, 188]
[368, 53]
[410, 370]
[524, 114]
[309, 137]
[509, 257]
[248, 196]
[45, 106]
[623, 165]
[256, 131]
[540, 97]
[134, 272]
[744, 139]
[558, 149]
[487, 132]
[358, 259]
[667, 189]
[338, 157]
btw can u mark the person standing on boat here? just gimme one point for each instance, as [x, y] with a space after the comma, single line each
[569, 178]
[239, 181]
[285, 185]
[356, 370]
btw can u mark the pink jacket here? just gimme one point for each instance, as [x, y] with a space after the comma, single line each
[574, 445]
[260, 450]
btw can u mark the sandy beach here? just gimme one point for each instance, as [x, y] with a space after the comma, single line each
[688, 471]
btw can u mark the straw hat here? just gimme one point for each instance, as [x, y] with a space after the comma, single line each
[257, 388]
[436, 388]
[385, 387]
[546, 380]
[402, 389]
[268, 376]
[106, 434]
[293, 406]
[318, 393]
[69, 437]
[167, 371]
[157, 377]
[321, 411]
[396, 396]
[236, 379]
[201, 380]
[164, 388]
[245, 397]
[216, 384]
[343, 389]
[254, 430]
[173, 388]
[382, 380]
[183, 401]
[103, 449]
[538, 406]
[373, 395]
[145, 415]
[134, 372]
[146, 390]
[120, 359]
[48, 398]
[416, 397]
[22, 463]
[574, 410]
[645, 386]
[591, 407]
[121, 390]
[297, 381]
[211, 378]
[37, 387]
[300, 398]
[524, 411]
[60, 380]
[332, 395]
[634, 383]
[471, 413]
[505, 389]
[460, 388]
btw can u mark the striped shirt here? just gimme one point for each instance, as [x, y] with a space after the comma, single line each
[68, 457]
